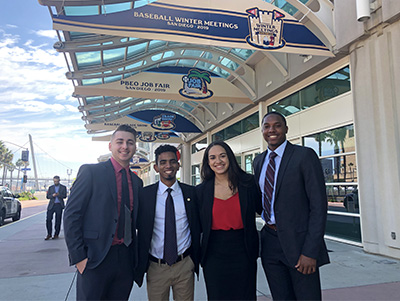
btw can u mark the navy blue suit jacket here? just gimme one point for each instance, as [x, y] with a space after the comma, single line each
[91, 214]
[300, 203]
[147, 204]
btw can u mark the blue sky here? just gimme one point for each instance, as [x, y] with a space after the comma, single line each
[35, 96]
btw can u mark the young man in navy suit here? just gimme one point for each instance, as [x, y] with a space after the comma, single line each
[100, 222]
[291, 180]
[56, 193]
[155, 245]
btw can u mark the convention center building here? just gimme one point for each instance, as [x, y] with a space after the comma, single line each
[192, 72]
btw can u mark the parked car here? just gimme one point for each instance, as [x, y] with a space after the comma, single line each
[10, 206]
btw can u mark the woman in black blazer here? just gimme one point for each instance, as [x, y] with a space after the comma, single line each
[228, 199]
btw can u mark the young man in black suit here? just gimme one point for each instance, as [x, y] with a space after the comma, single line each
[168, 232]
[100, 222]
[56, 193]
[295, 212]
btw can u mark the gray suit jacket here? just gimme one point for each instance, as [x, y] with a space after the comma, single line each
[91, 214]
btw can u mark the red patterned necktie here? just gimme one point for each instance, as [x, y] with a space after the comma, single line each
[269, 185]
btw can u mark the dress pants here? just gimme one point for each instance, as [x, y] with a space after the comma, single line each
[57, 209]
[111, 280]
[284, 281]
[179, 276]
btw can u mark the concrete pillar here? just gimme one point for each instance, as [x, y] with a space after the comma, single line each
[375, 78]
[185, 163]
[262, 110]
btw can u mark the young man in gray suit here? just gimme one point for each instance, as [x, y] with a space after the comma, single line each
[100, 222]
[291, 181]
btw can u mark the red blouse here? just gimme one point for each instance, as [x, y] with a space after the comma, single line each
[226, 214]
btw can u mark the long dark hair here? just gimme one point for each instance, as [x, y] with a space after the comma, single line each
[234, 170]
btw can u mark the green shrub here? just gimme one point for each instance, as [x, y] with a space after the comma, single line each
[27, 195]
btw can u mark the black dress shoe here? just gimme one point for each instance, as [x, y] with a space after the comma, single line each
[47, 237]
[55, 236]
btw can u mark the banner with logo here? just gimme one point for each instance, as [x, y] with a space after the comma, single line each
[151, 125]
[195, 85]
[250, 24]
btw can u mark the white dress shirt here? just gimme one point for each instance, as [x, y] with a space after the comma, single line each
[183, 237]
[279, 152]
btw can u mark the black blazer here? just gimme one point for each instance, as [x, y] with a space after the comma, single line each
[300, 203]
[148, 199]
[91, 214]
[250, 203]
[62, 194]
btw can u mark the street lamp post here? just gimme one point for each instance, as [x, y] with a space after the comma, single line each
[69, 172]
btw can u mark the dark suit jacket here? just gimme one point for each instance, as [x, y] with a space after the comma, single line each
[91, 214]
[62, 194]
[300, 203]
[250, 203]
[147, 205]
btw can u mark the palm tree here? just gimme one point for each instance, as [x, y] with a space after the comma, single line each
[6, 157]
[203, 76]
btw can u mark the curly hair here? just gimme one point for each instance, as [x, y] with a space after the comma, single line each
[165, 148]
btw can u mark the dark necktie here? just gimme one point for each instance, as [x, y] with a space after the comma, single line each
[269, 185]
[170, 243]
[124, 221]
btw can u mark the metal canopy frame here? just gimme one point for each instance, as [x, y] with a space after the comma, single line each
[97, 59]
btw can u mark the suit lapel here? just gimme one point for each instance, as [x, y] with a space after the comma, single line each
[282, 168]
[259, 165]
[152, 207]
[208, 203]
[243, 203]
[187, 201]
[135, 186]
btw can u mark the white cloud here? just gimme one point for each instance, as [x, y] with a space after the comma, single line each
[35, 98]
[11, 26]
[47, 33]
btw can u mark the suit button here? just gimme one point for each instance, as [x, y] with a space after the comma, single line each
[115, 220]
[112, 236]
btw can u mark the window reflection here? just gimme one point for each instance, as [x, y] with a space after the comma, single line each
[343, 198]
[320, 91]
[238, 128]
[340, 140]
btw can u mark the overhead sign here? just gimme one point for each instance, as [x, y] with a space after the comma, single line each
[25, 156]
[195, 85]
[160, 137]
[149, 121]
[250, 24]
[151, 126]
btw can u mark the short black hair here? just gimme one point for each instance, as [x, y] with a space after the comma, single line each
[56, 177]
[275, 113]
[125, 128]
[165, 148]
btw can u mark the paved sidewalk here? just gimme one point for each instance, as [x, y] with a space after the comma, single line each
[35, 269]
